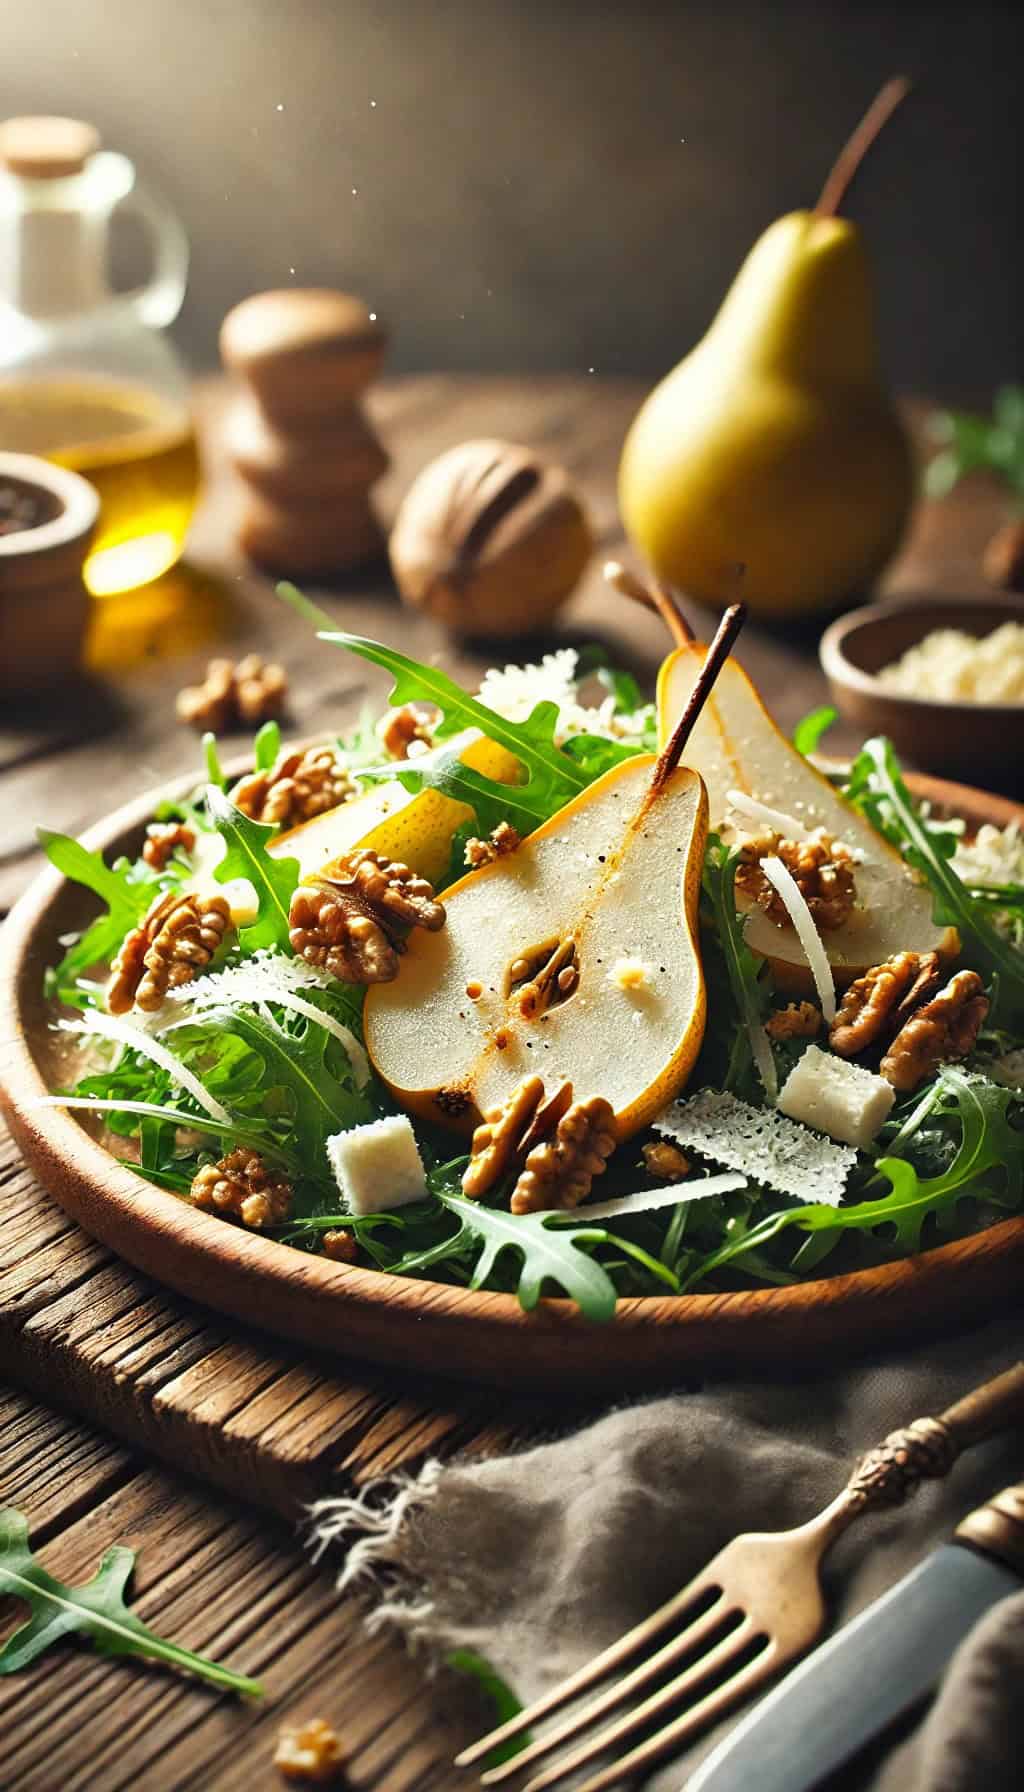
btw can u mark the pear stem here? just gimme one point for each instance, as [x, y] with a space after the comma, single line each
[659, 599]
[715, 658]
[856, 147]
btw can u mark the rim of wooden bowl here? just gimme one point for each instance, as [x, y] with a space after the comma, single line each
[431, 1326]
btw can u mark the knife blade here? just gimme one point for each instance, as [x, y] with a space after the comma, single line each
[878, 1666]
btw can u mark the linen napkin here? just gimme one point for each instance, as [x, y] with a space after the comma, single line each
[537, 1560]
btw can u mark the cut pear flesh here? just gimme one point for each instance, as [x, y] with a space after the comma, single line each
[735, 745]
[612, 877]
[414, 827]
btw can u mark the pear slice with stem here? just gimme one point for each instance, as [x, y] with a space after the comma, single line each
[735, 746]
[575, 958]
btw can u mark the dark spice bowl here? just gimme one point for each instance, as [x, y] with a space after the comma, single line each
[47, 518]
[980, 742]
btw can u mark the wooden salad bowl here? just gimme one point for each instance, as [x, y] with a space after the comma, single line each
[429, 1326]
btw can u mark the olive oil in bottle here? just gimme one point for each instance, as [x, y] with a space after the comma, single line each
[139, 451]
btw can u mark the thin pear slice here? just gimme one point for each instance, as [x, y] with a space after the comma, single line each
[735, 745]
[620, 878]
[415, 827]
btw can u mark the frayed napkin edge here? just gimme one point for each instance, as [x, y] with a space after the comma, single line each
[371, 1527]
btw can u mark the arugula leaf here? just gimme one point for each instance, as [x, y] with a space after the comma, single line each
[126, 890]
[215, 773]
[552, 777]
[877, 788]
[548, 1255]
[808, 733]
[971, 441]
[267, 746]
[504, 1703]
[744, 970]
[274, 880]
[989, 1142]
[95, 1610]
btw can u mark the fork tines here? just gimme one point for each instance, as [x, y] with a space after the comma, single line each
[708, 1621]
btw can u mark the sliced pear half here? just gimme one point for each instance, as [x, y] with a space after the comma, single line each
[611, 877]
[735, 745]
[415, 827]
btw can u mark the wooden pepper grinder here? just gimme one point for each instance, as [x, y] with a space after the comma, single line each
[298, 437]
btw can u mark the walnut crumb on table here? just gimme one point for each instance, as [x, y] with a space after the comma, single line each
[235, 695]
[310, 1753]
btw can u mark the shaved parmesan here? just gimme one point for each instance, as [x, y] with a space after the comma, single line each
[751, 810]
[270, 977]
[761, 1143]
[110, 1026]
[788, 891]
[647, 1200]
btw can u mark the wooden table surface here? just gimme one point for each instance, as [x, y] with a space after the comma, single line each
[214, 1574]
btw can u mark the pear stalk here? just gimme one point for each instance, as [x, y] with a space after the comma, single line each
[659, 599]
[857, 145]
[714, 660]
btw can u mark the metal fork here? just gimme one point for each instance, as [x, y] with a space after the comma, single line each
[753, 1609]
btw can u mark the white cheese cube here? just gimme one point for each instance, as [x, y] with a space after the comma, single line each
[836, 1097]
[378, 1167]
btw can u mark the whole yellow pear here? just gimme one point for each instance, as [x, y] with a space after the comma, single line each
[774, 443]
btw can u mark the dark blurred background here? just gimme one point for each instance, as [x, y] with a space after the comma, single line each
[539, 185]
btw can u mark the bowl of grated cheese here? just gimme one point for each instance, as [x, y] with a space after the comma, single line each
[942, 677]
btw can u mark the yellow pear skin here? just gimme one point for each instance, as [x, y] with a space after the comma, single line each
[618, 877]
[774, 444]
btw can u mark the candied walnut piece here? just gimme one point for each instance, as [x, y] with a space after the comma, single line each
[309, 1752]
[941, 1029]
[877, 1002]
[822, 870]
[501, 841]
[261, 687]
[560, 1170]
[801, 1020]
[243, 1185]
[509, 1132]
[351, 924]
[335, 936]
[162, 837]
[250, 692]
[665, 1161]
[299, 785]
[340, 1246]
[175, 939]
[400, 729]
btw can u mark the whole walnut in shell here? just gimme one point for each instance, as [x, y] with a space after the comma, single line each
[490, 540]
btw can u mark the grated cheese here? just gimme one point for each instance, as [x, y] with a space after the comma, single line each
[270, 977]
[994, 856]
[762, 1144]
[752, 810]
[786, 885]
[514, 691]
[955, 667]
[646, 1200]
[123, 1032]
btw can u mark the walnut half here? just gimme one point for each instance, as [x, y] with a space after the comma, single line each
[174, 941]
[942, 1029]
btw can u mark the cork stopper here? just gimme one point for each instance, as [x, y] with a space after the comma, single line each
[46, 148]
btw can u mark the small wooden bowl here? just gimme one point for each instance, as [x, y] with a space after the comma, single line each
[44, 604]
[981, 741]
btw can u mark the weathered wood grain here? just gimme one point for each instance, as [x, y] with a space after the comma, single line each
[216, 1578]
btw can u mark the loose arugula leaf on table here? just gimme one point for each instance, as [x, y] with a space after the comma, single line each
[971, 442]
[126, 890]
[876, 787]
[245, 855]
[95, 1611]
[549, 1253]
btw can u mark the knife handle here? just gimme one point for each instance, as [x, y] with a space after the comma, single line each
[927, 1448]
[997, 1528]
